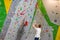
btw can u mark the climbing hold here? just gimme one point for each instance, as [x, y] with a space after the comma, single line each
[31, 9]
[49, 35]
[16, 19]
[46, 30]
[8, 33]
[55, 20]
[56, 13]
[25, 0]
[24, 5]
[12, 35]
[26, 23]
[21, 13]
[21, 8]
[25, 37]
[30, 16]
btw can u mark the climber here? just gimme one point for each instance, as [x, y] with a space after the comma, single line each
[38, 31]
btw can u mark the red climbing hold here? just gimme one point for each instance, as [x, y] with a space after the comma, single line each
[25, 0]
[46, 30]
[26, 23]
[23, 12]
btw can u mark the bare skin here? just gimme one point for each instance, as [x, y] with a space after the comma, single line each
[36, 25]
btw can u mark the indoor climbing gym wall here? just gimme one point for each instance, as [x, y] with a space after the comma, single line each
[4, 8]
[23, 13]
[53, 11]
[10, 14]
[18, 16]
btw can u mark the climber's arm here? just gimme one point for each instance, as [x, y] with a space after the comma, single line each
[34, 26]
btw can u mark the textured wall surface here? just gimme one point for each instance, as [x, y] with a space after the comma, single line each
[20, 9]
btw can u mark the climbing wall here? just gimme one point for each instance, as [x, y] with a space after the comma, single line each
[22, 10]
[46, 33]
[3, 14]
[8, 18]
[53, 11]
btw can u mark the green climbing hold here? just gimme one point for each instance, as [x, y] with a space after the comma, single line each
[21, 8]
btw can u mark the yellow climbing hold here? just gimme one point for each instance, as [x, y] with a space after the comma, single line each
[7, 4]
[58, 34]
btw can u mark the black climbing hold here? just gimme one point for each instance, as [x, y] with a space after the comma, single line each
[56, 13]
[55, 20]
[26, 37]
[49, 35]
